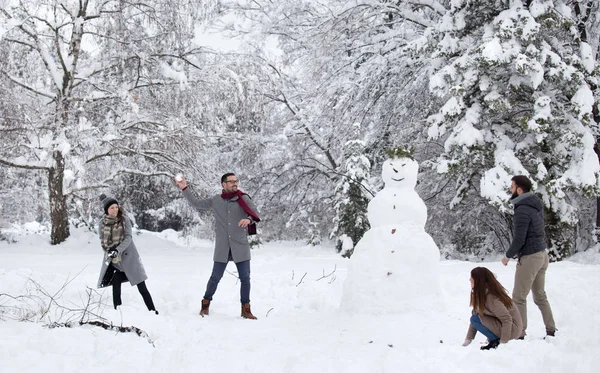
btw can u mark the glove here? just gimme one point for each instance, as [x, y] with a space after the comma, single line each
[467, 342]
[112, 253]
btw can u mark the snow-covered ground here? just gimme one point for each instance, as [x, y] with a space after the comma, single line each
[300, 327]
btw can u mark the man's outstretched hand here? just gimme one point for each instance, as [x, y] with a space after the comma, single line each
[180, 181]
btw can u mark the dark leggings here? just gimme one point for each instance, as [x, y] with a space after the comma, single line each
[120, 277]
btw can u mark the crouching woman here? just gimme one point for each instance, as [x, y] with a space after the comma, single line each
[121, 261]
[494, 313]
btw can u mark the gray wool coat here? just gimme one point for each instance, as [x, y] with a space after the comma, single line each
[130, 263]
[229, 235]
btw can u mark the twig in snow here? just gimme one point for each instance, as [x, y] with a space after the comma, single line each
[301, 279]
[331, 274]
[103, 325]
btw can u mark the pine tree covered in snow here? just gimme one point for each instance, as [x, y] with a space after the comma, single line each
[516, 84]
[352, 193]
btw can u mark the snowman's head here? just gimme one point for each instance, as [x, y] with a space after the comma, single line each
[400, 173]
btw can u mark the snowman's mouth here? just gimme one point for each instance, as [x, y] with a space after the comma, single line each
[397, 179]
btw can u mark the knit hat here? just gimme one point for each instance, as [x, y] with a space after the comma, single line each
[107, 202]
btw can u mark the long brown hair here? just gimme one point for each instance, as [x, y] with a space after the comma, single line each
[484, 282]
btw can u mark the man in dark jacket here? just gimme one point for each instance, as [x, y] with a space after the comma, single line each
[529, 248]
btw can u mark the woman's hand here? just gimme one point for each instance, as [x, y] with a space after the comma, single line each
[112, 253]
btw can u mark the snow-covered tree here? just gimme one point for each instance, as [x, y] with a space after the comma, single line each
[352, 199]
[516, 83]
[88, 79]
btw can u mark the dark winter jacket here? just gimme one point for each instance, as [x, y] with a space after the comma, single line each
[528, 226]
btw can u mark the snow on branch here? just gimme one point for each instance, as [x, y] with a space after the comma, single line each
[26, 86]
[436, 6]
[407, 15]
[138, 173]
[22, 165]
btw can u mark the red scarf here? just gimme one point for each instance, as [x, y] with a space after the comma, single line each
[242, 203]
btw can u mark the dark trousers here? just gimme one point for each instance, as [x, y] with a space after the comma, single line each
[119, 278]
[217, 273]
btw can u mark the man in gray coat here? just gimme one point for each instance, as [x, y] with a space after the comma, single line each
[529, 248]
[235, 216]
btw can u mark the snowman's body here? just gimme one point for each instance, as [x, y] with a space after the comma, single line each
[395, 266]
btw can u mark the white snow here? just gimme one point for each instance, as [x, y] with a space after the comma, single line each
[452, 107]
[540, 7]
[543, 114]
[583, 100]
[584, 166]
[492, 51]
[55, 73]
[305, 330]
[495, 183]
[587, 57]
[465, 133]
[530, 68]
[171, 73]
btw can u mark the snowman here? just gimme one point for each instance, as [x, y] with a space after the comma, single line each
[395, 266]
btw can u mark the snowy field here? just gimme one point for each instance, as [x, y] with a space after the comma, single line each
[296, 292]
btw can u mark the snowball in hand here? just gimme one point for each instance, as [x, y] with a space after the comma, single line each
[179, 177]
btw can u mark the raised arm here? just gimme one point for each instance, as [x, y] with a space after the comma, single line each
[197, 203]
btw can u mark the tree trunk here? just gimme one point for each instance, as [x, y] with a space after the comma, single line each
[58, 203]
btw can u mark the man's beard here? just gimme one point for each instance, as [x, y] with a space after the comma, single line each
[514, 195]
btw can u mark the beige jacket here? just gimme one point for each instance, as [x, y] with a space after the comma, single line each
[504, 322]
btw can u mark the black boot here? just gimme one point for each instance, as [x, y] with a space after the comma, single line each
[491, 344]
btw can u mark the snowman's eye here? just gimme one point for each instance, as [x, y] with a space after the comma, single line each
[403, 164]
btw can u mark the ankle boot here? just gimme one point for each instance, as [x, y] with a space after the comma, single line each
[246, 313]
[491, 345]
[204, 309]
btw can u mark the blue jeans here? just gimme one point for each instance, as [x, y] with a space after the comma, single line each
[478, 325]
[217, 273]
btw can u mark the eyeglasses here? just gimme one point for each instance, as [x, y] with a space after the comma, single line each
[231, 181]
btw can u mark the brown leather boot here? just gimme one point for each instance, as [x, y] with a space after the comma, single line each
[246, 313]
[204, 309]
